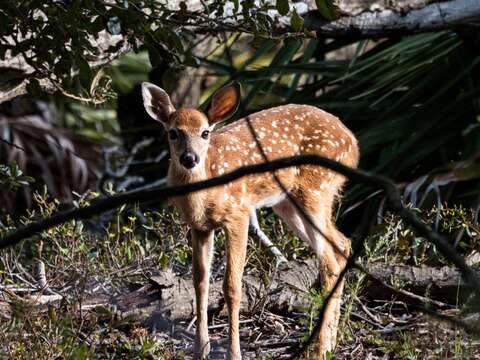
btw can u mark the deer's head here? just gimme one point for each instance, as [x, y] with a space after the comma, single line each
[189, 129]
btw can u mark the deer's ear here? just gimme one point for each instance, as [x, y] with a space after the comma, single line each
[224, 103]
[157, 103]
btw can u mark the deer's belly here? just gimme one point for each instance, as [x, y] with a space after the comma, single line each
[270, 200]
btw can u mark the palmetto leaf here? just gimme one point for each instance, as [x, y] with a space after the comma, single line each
[412, 102]
[61, 160]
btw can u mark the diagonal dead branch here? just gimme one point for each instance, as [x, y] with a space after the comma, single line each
[161, 194]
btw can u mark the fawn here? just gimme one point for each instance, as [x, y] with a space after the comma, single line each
[199, 153]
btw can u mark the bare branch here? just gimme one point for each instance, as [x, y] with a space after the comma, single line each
[400, 19]
[385, 23]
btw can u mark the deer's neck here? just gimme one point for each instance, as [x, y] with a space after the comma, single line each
[194, 207]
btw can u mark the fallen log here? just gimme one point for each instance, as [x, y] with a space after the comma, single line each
[443, 283]
[169, 298]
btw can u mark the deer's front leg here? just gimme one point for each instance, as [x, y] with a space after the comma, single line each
[202, 250]
[236, 247]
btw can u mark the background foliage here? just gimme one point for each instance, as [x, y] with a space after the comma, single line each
[412, 101]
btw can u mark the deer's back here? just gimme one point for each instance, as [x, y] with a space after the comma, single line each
[281, 132]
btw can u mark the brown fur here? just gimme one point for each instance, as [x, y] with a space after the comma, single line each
[189, 119]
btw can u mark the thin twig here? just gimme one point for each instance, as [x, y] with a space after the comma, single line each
[408, 293]
[12, 144]
[255, 229]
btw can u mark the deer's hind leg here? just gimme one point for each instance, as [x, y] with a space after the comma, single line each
[314, 225]
[236, 246]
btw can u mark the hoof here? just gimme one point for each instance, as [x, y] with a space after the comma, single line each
[201, 351]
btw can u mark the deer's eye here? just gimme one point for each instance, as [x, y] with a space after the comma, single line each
[172, 134]
[205, 134]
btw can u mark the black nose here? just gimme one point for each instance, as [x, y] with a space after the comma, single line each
[189, 160]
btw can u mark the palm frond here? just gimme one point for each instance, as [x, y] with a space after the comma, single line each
[62, 161]
[412, 102]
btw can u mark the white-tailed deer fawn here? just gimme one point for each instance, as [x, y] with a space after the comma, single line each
[199, 153]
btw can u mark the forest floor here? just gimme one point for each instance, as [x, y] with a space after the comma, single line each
[80, 264]
[370, 329]
[271, 336]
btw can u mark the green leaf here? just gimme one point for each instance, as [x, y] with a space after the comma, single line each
[183, 7]
[14, 169]
[97, 24]
[33, 88]
[191, 60]
[85, 73]
[307, 55]
[296, 21]
[170, 79]
[175, 40]
[10, 78]
[283, 7]
[154, 55]
[328, 9]
[282, 57]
